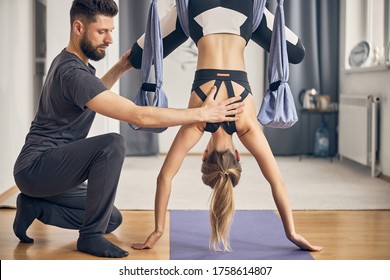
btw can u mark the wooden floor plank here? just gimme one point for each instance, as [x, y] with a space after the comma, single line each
[346, 235]
[52, 243]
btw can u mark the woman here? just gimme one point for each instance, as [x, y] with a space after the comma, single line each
[221, 30]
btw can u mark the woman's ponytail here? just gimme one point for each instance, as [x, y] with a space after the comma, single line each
[221, 171]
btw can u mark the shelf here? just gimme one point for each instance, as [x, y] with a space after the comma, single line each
[318, 111]
[367, 69]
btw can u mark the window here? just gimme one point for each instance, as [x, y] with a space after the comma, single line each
[367, 34]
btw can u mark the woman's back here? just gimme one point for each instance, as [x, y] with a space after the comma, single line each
[225, 52]
[221, 51]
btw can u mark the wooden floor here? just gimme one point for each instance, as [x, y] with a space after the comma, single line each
[346, 235]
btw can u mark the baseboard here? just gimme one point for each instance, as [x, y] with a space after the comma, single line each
[8, 193]
[385, 178]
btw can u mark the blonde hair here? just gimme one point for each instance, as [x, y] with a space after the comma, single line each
[221, 171]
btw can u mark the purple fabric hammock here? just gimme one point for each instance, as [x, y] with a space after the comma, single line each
[152, 54]
[278, 107]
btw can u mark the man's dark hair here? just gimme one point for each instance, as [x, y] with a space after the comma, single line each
[87, 10]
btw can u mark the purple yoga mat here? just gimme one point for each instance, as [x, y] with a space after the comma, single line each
[254, 235]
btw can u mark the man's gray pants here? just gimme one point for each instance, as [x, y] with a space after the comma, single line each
[74, 185]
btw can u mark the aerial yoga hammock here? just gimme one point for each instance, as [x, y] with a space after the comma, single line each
[277, 109]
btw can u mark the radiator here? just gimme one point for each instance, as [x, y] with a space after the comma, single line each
[359, 131]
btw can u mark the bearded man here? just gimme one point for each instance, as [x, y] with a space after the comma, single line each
[69, 180]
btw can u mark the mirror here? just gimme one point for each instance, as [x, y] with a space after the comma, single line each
[367, 34]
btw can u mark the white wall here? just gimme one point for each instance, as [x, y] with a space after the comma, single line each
[373, 82]
[365, 24]
[16, 83]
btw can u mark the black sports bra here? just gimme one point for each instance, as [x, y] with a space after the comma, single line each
[221, 76]
[220, 16]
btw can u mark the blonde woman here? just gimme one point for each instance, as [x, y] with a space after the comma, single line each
[221, 30]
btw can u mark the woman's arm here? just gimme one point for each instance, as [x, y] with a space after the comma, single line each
[173, 37]
[185, 139]
[263, 34]
[256, 143]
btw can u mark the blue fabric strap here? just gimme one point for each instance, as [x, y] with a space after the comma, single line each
[182, 14]
[152, 54]
[258, 11]
[278, 107]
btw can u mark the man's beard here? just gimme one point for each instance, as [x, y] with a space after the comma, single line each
[89, 51]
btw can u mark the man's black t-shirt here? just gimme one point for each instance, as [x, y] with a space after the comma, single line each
[62, 116]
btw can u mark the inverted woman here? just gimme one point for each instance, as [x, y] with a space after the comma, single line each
[221, 30]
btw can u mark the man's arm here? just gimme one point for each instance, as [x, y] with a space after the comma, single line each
[114, 106]
[113, 75]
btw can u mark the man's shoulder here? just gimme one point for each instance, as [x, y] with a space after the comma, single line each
[69, 64]
[69, 59]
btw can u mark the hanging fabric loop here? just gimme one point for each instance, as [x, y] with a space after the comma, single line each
[278, 108]
[152, 55]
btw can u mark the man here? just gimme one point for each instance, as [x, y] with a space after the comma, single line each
[57, 158]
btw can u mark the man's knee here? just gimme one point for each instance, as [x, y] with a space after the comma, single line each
[117, 145]
[115, 220]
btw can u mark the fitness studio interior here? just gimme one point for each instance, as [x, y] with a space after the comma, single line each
[335, 161]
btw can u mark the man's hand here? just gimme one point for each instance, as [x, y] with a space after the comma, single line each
[116, 71]
[124, 61]
[221, 111]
